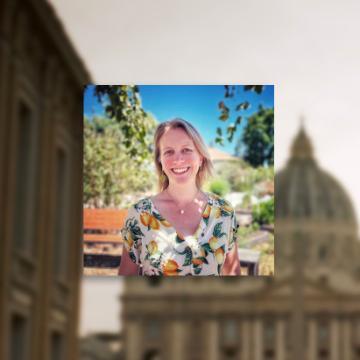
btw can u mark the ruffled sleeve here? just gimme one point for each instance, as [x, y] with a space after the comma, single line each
[233, 231]
[132, 235]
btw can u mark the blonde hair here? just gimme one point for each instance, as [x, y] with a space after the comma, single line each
[206, 167]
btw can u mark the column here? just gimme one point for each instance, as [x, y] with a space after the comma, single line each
[312, 340]
[258, 339]
[245, 340]
[212, 340]
[178, 345]
[334, 339]
[133, 341]
[346, 340]
[280, 348]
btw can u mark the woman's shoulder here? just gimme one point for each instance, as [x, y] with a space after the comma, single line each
[135, 212]
[142, 205]
[216, 200]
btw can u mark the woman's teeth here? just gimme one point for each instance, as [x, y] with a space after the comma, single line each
[180, 170]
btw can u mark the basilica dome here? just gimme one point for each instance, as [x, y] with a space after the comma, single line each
[304, 191]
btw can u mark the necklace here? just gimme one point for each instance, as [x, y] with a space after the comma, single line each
[181, 210]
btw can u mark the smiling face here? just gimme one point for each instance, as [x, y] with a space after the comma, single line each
[179, 157]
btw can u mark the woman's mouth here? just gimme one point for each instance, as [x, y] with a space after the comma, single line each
[180, 171]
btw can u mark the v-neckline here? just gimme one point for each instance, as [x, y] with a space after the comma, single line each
[153, 208]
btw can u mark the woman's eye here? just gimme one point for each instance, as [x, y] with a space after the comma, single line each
[187, 150]
[168, 152]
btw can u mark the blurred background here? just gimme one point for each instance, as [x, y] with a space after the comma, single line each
[310, 51]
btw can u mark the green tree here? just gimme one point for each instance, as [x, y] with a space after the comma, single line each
[123, 104]
[256, 144]
[219, 186]
[109, 171]
[264, 213]
[229, 105]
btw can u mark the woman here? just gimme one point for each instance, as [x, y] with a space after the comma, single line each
[181, 230]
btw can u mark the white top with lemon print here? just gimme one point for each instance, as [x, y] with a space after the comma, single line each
[155, 245]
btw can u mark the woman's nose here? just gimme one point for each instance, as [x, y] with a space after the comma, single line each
[178, 157]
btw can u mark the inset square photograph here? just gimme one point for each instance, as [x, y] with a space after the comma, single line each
[178, 180]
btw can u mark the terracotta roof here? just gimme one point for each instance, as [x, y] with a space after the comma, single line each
[218, 155]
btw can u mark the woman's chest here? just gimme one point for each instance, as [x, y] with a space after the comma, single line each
[169, 253]
[184, 222]
[166, 251]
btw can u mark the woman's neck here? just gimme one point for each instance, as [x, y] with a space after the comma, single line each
[182, 194]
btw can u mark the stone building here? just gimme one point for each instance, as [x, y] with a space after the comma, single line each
[41, 86]
[309, 310]
[101, 346]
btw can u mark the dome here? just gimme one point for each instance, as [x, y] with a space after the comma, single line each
[304, 191]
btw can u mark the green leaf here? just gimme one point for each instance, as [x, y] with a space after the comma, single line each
[217, 230]
[206, 220]
[206, 248]
[188, 256]
[227, 91]
[219, 140]
[132, 256]
[178, 240]
[225, 213]
[224, 116]
[257, 88]
[231, 128]
[243, 106]
[158, 216]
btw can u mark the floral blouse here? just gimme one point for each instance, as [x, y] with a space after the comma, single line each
[155, 245]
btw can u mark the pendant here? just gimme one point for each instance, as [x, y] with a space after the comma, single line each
[182, 211]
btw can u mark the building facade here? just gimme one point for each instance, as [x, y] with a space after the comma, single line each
[309, 310]
[41, 87]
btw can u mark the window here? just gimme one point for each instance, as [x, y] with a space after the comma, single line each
[323, 252]
[231, 331]
[230, 339]
[153, 330]
[57, 346]
[25, 181]
[60, 213]
[269, 339]
[323, 339]
[18, 338]
[152, 355]
[355, 331]
[196, 329]
[230, 353]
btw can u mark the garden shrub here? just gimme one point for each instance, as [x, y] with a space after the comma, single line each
[219, 187]
[263, 213]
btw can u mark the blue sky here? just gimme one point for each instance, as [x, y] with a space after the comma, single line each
[197, 104]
